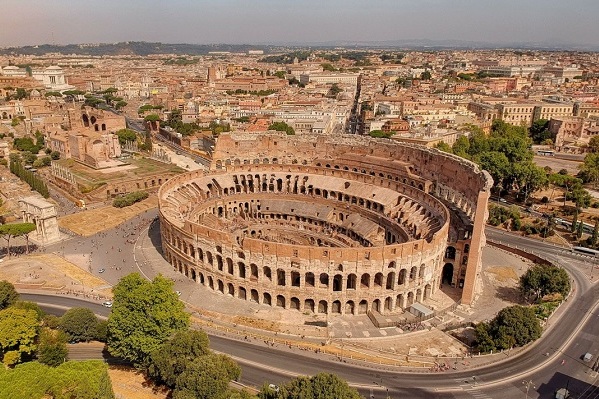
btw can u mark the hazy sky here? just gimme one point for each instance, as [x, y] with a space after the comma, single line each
[24, 22]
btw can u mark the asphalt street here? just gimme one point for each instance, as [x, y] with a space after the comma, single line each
[562, 366]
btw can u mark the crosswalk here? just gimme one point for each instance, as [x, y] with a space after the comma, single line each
[471, 387]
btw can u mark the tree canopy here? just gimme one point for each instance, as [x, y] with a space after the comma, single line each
[18, 333]
[513, 326]
[52, 349]
[319, 386]
[79, 324]
[540, 280]
[144, 315]
[589, 169]
[175, 355]
[33, 380]
[282, 127]
[8, 294]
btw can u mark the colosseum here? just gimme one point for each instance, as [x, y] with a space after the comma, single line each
[322, 224]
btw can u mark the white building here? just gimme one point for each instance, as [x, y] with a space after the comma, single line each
[53, 78]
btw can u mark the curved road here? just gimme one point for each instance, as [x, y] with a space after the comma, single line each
[579, 322]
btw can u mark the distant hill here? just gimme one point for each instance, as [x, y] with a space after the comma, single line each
[134, 48]
[147, 48]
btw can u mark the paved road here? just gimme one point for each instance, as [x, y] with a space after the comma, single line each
[261, 362]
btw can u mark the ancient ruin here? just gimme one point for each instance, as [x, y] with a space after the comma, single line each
[326, 224]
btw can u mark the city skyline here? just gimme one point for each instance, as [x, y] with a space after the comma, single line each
[544, 23]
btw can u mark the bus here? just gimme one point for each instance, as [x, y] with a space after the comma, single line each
[585, 250]
[545, 153]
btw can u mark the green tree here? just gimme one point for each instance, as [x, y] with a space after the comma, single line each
[55, 155]
[595, 235]
[581, 197]
[282, 127]
[498, 166]
[101, 332]
[144, 315]
[175, 355]
[52, 349]
[461, 147]
[18, 333]
[574, 221]
[205, 378]
[589, 170]
[515, 326]
[594, 144]
[426, 75]
[483, 340]
[9, 231]
[529, 178]
[539, 131]
[319, 386]
[125, 135]
[79, 324]
[8, 294]
[443, 146]
[541, 280]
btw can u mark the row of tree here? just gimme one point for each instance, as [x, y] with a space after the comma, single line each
[37, 184]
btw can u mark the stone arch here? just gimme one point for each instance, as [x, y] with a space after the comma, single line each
[447, 274]
[266, 299]
[242, 293]
[388, 303]
[376, 305]
[309, 279]
[338, 282]
[450, 252]
[350, 307]
[294, 303]
[363, 307]
[309, 305]
[390, 284]
[323, 307]
[254, 296]
[413, 273]
[351, 282]
[266, 272]
[401, 280]
[365, 281]
[336, 307]
[324, 279]
[378, 280]
[221, 286]
[280, 301]
[427, 292]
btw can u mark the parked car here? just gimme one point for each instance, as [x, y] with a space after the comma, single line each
[107, 304]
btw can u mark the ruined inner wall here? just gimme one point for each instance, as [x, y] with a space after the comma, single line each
[384, 260]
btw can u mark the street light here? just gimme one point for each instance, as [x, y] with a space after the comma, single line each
[528, 384]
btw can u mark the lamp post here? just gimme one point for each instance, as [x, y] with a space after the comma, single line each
[528, 384]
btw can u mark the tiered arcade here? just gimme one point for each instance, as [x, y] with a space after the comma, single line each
[321, 224]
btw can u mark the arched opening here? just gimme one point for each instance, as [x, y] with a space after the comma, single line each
[427, 292]
[363, 307]
[450, 253]
[323, 307]
[267, 273]
[281, 301]
[309, 279]
[295, 279]
[402, 277]
[266, 299]
[336, 307]
[221, 286]
[349, 307]
[378, 280]
[390, 281]
[309, 305]
[337, 282]
[376, 305]
[324, 279]
[447, 277]
[410, 299]
[413, 272]
[254, 296]
[388, 303]
[351, 282]
[242, 293]
[231, 289]
[365, 280]
[294, 303]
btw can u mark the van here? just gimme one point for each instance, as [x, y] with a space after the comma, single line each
[587, 357]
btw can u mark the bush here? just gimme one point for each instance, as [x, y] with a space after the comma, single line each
[79, 324]
[129, 199]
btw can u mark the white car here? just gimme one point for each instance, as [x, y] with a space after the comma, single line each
[107, 304]
[178, 293]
